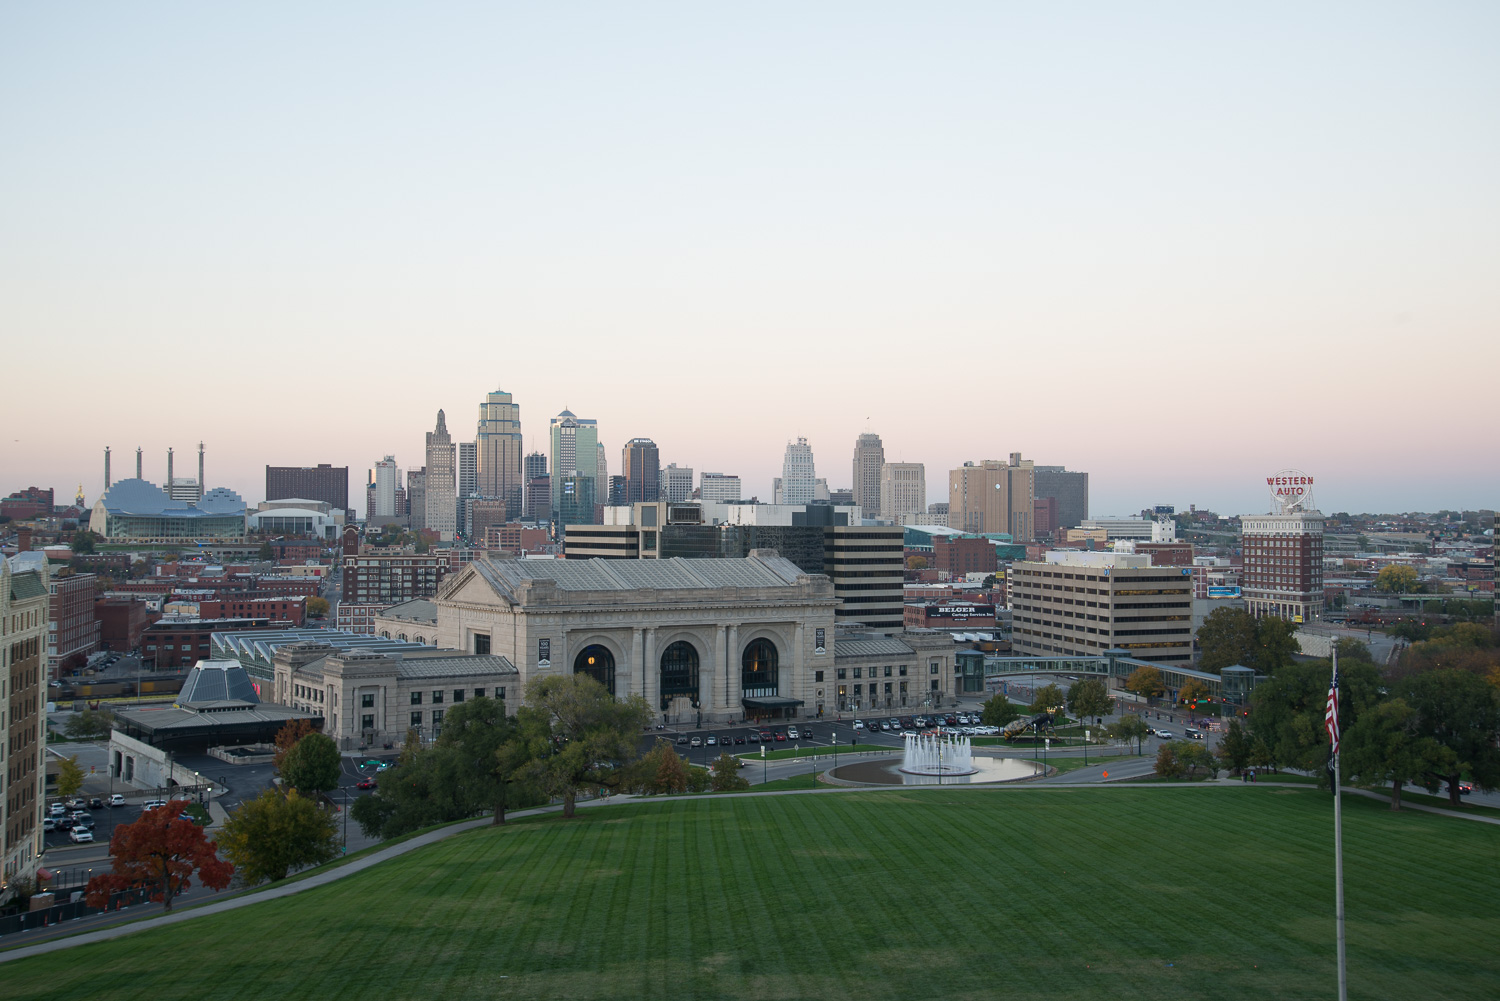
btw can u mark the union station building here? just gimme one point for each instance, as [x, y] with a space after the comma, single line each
[706, 640]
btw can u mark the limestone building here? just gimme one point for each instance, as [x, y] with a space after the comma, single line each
[440, 502]
[24, 602]
[869, 457]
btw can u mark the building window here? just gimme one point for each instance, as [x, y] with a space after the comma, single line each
[858, 672]
[458, 695]
[416, 698]
[367, 721]
[887, 670]
[437, 698]
[479, 693]
[500, 694]
[818, 677]
[903, 670]
[481, 642]
[933, 670]
[842, 673]
[934, 684]
[679, 672]
[598, 663]
[416, 720]
[367, 700]
[759, 673]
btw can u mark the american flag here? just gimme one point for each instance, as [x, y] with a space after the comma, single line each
[1331, 716]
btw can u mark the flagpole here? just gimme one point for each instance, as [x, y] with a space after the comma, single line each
[1338, 841]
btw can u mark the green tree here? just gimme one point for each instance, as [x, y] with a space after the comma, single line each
[476, 731]
[1352, 649]
[661, 771]
[1387, 745]
[1287, 710]
[1235, 747]
[1088, 697]
[1226, 638]
[317, 608]
[1395, 578]
[1276, 644]
[999, 710]
[159, 852]
[583, 737]
[1048, 698]
[313, 765]
[1461, 711]
[1145, 682]
[83, 541]
[266, 552]
[69, 777]
[269, 836]
[89, 724]
[726, 774]
[1130, 727]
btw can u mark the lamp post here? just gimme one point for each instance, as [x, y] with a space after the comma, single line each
[1085, 748]
[763, 765]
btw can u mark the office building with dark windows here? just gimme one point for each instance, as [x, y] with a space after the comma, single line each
[323, 482]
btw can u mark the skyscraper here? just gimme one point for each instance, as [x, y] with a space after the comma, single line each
[574, 452]
[497, 448]
[441, 509]
[322, 482]
[719, 488]
[903, 491]
[534, 470]
[640, 464]
[416, 498]
[387, 482]
[468, 481]
[1071, 490]
[798, 477]
[677, 483]
[993, 497]
[869, 456]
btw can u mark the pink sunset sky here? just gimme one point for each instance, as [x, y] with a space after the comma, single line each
[1178, 247]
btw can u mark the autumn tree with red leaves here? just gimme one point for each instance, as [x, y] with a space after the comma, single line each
[287, 737]
[160, 852]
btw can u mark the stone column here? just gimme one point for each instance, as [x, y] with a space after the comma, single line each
[731, 668]
[560, 662]
[652, 686]
[628, 680]
[637, 655]
[797, 689]
[710, 693]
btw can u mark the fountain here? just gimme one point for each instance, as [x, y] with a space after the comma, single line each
[938, 754]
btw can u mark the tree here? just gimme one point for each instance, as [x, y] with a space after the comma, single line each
[1276, 644]
[1130, 727]
[83, 541]
[317, 608]
[1145, 682]
[313, 765]
[266, 552]
[1167, 764]
[69, 777]
[476, 731]
[726, 774]
[1193, 756]
[270, 835]
[1226, 638]
[88, 724]
[1088, 697]
[1047, 698]
[1287, 710]
[916, 563]
[1191, 691]
[1461, 711]
[999, 710]
[661, 771]
[582, 736]
[1396, 578]
[287, 737]
[1349, 649]
[1235, 747]
[1387, 745]
[160, 852]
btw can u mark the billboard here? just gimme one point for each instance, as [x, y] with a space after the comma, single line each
[1224, 592]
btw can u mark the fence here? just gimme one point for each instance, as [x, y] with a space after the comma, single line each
[14, 924]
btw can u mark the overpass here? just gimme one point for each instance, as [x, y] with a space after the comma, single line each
[981, 674]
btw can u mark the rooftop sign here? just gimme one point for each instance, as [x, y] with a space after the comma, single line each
[1291, 492]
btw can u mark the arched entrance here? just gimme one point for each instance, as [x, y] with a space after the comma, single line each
[679, 674]
[598, 663]
[758, 669]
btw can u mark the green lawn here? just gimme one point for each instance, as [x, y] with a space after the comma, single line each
[1034, 892]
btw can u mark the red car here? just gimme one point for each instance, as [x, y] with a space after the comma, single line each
[780, 735]
[365, 784]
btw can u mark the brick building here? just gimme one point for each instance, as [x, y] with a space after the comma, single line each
[1167, 554]
[290, 609]
[181, 643]
[386, 580]
[33, 502]
[953, 613]
[73, 632]
[959, 555]
[515, 537]
[122, 621]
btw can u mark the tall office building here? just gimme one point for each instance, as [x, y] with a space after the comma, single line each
[798, 481]
[603, 475]
[1283, 572]
[468, 482]
[719, 488]
[903, 491]
[677, 483]
[416, 499]
[24, 606]
[573, 452]
[534, 471]
[640, 464]
[1071, 490]
[387, 480]
[869, 457]
[442, 482]
[535, 465]
[1083, 603]
[993, 497]
[575, 496]
[497, 449]
[323, 482]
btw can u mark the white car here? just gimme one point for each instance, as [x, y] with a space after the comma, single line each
[859, 724]
[696, 742]
[153, 804]
[78, 835]
[57, 810]
[792, 733]
[117, 799]
[1165, 734]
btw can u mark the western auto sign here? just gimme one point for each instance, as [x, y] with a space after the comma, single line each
[1291, 490]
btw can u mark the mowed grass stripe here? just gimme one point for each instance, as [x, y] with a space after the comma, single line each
[1059, 893]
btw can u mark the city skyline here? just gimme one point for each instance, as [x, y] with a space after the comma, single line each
[1279, 226]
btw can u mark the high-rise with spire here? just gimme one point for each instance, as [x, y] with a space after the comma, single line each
[441, 514]
[574, 451]
[798, 477]
[497, 451]
[869, 456]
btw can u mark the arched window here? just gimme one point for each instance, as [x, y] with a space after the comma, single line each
[386, 634]
[598, 663]
[418, 639]
[758, 674]
[401, 637]
[679, 672]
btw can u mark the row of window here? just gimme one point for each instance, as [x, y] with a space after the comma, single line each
[842, 672]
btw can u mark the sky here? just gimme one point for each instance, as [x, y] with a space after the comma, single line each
[1180, 246]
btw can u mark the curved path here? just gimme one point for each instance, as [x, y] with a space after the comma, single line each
[129, 927]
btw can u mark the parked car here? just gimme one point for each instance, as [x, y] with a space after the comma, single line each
[780, 735]
[95, 803]
[807, 734]
[765, 736]
[740, 739]
[57, 810]
[859, 724]
[48, 823]
[696, 742]
[117, 799]
[712, 741]
[793, 733]
[79, 835]
[84, 820]
[682, 740]
[153, 804]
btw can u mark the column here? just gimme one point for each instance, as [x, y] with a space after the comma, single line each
[707, 687]
[560, 662]
[633, 675]
[797, 689]
[732, 690]
[639, 665]
[652, 688]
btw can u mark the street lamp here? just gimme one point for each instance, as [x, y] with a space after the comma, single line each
[763, 765]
